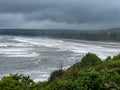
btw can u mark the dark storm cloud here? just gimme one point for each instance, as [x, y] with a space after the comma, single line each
[70, 14]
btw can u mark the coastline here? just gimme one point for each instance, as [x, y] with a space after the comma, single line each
[106, 43]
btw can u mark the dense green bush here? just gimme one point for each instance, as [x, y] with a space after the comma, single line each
[55, 74]
[16, 82]
[117, 57]
[90, 59]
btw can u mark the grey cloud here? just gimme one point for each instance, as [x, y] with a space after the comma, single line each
[78, 13]
[10, 20]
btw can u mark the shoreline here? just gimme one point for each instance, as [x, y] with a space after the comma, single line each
[90, 42]
[75, 40]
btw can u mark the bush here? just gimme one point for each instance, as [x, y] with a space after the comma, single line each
[117, 57]
[40, 85]
[55, 75]
[90, 60]
[108, 59]
[16, 82]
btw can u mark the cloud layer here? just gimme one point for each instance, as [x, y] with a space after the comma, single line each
[59, 14]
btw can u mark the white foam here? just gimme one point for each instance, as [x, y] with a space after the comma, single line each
[40, 41]
[32, 54]
[43, 77]
[13, 49]
[81, 48]
[14, 44]
[3, 45]
[18, 52]
[37, 75]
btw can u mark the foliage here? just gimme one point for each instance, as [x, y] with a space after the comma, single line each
[56, 74]
[40, 85]
[89, 74]
[90, 60]
[112, 34]
[108, 58]
[16, 82]
[117, 57]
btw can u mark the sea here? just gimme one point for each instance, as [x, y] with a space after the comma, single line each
[39, 56]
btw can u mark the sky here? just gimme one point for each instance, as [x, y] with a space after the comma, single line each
[60, 14]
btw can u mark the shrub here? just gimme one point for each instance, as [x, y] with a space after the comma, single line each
[108, 58]
[117, 57]
[40, 85]
[55, 74]
[16, 82]
[90, 60]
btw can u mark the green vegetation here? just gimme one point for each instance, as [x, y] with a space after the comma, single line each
[91, 73]
[90, 60]
[16, 82]
[112, 34]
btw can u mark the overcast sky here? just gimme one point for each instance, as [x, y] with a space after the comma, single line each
[60, 14]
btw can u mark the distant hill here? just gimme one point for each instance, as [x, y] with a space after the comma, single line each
[112, 34]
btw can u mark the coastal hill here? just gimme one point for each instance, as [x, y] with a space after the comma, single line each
[112, 34]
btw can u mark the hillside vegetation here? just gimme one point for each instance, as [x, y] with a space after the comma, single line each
[91, 73]
[112, 34]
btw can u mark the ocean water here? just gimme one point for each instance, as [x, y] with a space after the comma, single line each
[38, 56]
